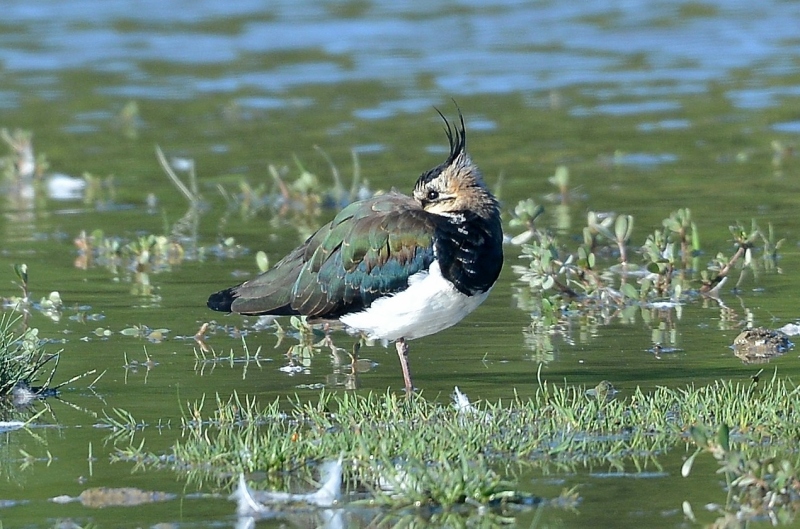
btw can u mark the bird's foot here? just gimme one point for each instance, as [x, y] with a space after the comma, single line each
[200, 338]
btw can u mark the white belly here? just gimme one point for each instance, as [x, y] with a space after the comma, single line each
[430, 304]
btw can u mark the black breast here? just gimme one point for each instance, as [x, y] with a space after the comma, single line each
[470, 251]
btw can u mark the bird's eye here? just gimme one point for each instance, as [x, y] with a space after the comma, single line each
[433, 195]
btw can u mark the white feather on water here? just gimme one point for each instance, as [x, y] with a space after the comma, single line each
[254, 502]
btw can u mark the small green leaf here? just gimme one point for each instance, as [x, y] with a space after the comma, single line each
[695, 238]
[672, 224]
[688, 512]
[686, 468]
[623, 227]
[630, 291]
[723, 436]
[604, 231]
[547, 305]
[561, 177]
[699, 435]
[22, 272]
[522, 238]
[645, 288]
[262, 261]
[587, 236]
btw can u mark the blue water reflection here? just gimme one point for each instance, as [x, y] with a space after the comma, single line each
[464, 48]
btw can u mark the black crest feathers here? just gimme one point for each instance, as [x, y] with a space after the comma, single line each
[456, 135]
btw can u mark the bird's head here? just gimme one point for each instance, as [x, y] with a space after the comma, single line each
[455, 186]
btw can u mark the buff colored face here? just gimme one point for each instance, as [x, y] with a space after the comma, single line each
[458, 187]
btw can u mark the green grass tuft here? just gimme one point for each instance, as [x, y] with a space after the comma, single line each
[22, 358]
[414, 452]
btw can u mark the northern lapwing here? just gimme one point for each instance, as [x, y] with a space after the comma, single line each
[394, 267]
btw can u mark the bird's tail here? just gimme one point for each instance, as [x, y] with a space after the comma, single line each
[221, 300]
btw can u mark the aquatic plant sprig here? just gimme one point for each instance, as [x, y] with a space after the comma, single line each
[23, 358]
[670, 254]
[134, 259]
[189, 190]
[206, 356]
[746, 242]
[297, 199]
[574, 278]
[49, 306]
[524, 215]
[148, 253]
[100, 192]
[614, 228]
[759, 486]
[21, 165]
[22, 361]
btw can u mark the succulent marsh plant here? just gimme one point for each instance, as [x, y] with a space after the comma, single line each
[23, 362]
[670, 259]
[761, 486]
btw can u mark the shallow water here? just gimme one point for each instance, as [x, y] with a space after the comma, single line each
[652, 105]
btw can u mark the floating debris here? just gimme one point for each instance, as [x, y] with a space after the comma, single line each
[100, 497]
[760, 345]
[65, 187]
[658, 349]
[603, 391]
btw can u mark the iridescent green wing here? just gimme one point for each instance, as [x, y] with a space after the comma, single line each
[369, 250]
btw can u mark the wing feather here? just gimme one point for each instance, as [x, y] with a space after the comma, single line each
[368, 250]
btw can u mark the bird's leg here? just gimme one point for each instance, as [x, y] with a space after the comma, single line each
[354, 354]
[402, 352]
[327, 341]
[351, 378]
[200, 338]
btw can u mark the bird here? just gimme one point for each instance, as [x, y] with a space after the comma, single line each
[392, 267]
